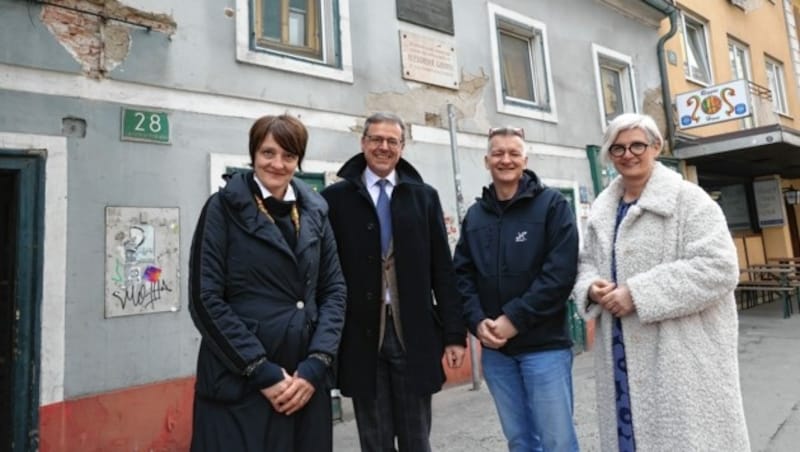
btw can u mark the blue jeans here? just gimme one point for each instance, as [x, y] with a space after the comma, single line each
[533, 396]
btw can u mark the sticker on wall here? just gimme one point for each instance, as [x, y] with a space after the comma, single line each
[142, 260]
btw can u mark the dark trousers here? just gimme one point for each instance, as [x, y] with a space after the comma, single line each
[395, 412]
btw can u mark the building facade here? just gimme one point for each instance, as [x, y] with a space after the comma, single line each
[117, 120]
[748, 163]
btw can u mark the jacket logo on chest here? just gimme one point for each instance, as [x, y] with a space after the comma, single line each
[522, 236]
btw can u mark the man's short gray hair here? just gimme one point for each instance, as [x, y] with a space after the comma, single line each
[506, 131]
[377, 118]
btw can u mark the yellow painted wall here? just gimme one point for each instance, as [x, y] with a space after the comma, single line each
[777, 242]
[755, 250]
[763, 30]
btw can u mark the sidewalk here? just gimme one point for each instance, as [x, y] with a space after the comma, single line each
[769, 358]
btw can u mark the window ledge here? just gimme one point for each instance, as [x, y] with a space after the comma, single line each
[528, 112]
[698, 82]
[245, 54]
[291, 64]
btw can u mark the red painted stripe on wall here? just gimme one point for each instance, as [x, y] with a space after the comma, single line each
[153, 417]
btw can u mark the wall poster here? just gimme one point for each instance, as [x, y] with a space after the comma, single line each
[142, 260]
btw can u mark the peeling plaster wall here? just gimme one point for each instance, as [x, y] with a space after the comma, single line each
[193, 48]
[97, 47]
[425, 104]
[96, 32]
[653, 105]
[194, 54]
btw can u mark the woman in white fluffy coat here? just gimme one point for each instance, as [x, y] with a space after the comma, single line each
[671, 285]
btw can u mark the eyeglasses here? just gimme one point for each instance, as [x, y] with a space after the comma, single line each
[636, 148]
[375, 140]
[507, 130]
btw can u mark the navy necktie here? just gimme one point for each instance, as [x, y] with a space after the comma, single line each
[384, 216]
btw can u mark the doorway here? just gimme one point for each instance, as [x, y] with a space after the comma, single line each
[21, 243]
[8, 199]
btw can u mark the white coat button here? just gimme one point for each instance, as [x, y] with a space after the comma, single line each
[300, 304]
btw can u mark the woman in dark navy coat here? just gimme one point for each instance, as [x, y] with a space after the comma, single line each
[268, 297]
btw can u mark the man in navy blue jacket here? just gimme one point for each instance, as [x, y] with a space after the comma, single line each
[516, 263]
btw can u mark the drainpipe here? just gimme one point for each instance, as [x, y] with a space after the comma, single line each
[672, 12]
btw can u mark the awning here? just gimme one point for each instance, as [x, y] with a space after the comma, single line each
[740, 156]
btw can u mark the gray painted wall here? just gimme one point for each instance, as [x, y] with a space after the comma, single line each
[200, 57]
[105, 354]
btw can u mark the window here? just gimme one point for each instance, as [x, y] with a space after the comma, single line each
[614, 82]
[311, 37]
[521, 65]
[740, 60]
[776, 85]
[796, 16]
[697, 65]
[739, 56]
[290, 26]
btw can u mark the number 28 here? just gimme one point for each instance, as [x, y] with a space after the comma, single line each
[153, 125]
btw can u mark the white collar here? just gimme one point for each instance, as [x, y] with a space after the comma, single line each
[370, 178]
[288, 197]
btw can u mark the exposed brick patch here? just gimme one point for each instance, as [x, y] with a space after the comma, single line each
[92, 31]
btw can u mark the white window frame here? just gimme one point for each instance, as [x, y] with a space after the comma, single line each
[703, 27]
[623, 64]
[246, 52]
[546, 112]
[775, 75]
[736, 44]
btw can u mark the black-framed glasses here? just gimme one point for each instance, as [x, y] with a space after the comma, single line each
[636, 148]
[507, 130]
[376, 140]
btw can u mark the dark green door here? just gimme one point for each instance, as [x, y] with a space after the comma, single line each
[315, 180]
[21, 233]
[577, 327]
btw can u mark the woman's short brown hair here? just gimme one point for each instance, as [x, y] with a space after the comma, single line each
[287, 131]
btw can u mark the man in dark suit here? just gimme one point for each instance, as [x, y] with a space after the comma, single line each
[393, 247]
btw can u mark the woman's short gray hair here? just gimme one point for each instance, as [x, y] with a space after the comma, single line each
[628, 121]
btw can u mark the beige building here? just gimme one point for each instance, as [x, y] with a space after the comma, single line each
[733, 76]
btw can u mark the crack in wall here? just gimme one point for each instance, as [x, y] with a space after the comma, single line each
[97, 32]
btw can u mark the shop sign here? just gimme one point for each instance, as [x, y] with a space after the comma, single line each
[714, 104]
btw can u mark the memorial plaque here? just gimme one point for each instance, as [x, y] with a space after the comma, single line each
[428, 60]
[434, 14]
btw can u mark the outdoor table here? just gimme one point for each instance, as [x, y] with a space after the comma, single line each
[770, 279]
